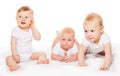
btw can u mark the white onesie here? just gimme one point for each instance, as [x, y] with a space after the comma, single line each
[93, 48]
[24, 43]
[59, 51]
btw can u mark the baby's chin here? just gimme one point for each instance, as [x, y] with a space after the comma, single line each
[93, 41]
[66, 48]
[24, 27]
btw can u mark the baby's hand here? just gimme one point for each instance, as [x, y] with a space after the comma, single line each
[104, 67]
[67, 60]
[32, 23]
[64, 59]
[61, 59]
[58, 34]
[16, 58]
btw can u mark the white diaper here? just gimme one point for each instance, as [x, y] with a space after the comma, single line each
[25, 57]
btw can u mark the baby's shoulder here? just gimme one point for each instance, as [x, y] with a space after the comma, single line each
[105, 36]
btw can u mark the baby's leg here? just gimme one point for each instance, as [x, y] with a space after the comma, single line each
[13, 66]
[41, 57]
[36, 55]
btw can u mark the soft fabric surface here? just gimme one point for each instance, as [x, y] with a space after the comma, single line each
[56, 68]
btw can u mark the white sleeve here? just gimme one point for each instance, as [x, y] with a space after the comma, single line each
[85, 42]
[105, 39]
[14, 33]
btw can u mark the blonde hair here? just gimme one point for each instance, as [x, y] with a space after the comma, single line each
[68, 30]
[25, 8]
[94, 17]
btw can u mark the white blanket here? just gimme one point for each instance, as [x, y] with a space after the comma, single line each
[56, 68]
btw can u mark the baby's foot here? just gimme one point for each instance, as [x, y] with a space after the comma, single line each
[46, 61]
[14, 67]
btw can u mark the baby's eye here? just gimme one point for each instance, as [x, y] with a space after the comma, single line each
[85, 30]
[63, 39]
[26, 17]
[69, 40]
[20, 17]
[92, 30]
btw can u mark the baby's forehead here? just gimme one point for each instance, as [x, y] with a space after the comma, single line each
[66, 35]
[24, 12]
[91, 27]
[91, 24]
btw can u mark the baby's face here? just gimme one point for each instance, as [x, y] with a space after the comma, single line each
[67, 41]
[24, 19]
[92, 32]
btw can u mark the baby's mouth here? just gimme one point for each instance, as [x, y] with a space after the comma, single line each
[22, 22]
[90, 38]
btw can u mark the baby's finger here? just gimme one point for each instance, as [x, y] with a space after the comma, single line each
[104, 68]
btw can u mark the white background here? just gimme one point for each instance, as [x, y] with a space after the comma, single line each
[53, 15]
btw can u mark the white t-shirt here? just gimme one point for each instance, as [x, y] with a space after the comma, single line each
[59, 51]
[24, 42]
[93, 48]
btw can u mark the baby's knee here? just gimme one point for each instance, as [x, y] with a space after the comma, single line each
[9, 58]
[42, 55]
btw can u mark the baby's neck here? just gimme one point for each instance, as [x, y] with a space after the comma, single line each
[24, 29]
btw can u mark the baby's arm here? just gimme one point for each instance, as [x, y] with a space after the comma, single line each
[35, 32]
[73, 58]
[81, 55]
[57, 39]
[56, 57]
[13, 49]
[108, 57]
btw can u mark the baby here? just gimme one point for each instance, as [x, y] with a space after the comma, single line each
[96, 41]
[21, 40]
[65, 46]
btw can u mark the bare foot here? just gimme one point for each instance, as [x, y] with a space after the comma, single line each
[14, 67]
[47, 61]
[43, 62]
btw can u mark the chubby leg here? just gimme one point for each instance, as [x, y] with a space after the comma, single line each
[41, 57]
[35, 55]
[12, 63]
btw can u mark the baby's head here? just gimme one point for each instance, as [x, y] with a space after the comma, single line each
[24, 17]
[67, 38]
[93, 27]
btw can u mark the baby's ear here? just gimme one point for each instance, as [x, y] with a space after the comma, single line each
[74, 40]
[101, 29]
